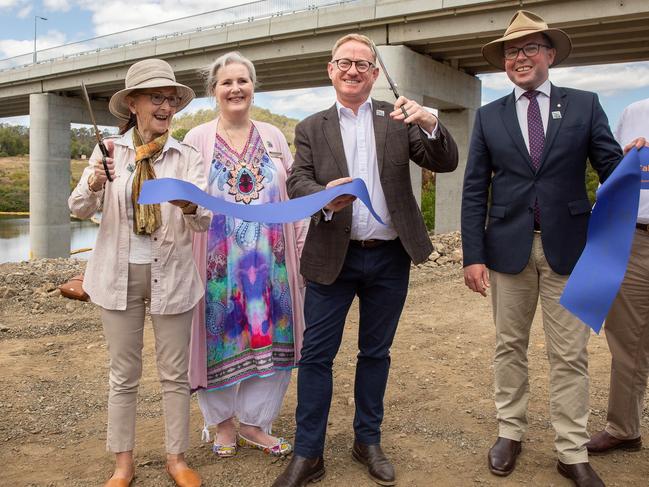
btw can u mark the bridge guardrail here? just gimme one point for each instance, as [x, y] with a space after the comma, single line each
[215, 19]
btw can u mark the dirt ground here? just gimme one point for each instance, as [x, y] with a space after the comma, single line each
[439, 421]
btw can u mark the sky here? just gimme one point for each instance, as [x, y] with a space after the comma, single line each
[75, 20]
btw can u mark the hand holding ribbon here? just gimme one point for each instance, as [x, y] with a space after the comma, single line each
[596, 279]
[168, 189]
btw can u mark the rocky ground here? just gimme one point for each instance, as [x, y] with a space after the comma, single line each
[439, 423]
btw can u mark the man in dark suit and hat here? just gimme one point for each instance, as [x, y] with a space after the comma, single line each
[525, 178]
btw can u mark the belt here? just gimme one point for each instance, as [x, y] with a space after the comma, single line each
[642, 226]
[369, 244]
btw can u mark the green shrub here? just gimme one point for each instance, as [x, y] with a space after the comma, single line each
[428, 205]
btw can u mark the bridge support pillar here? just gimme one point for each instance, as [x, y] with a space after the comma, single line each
[50, 116]
[49, 176]
[456, 95]
[448, 186]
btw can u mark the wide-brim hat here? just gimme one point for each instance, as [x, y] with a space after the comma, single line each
[522, 24]
[149, 73]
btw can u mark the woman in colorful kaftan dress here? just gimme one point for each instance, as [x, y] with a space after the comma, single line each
[247, 331]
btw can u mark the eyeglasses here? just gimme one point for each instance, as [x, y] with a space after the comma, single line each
[159, 99]
[344, 65]
[530, 50]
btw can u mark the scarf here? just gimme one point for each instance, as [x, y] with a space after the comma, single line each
[146, 218]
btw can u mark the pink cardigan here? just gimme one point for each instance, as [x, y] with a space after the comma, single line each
[203, 138]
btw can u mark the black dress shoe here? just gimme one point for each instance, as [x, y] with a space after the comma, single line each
[300, 471]
[378, 465]
[603, 442]
[502, 456]
[582, 474]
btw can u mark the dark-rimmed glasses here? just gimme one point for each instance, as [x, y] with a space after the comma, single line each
[159, 99]
[344, 65]
[530, 50]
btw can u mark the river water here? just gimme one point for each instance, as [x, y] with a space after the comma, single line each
[14, 238]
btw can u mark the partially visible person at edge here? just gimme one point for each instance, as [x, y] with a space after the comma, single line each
[627, 324]
[347, 253]
[143, 257]
[247, 331]
[526, 171]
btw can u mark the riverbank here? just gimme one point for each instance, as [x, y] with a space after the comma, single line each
[439, 419]
[14, 182]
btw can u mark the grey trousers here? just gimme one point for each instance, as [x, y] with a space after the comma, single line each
[515, 297]
[124, 332]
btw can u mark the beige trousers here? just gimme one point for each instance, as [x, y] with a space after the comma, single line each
[124, 332]
[515, 297]
[627, 333]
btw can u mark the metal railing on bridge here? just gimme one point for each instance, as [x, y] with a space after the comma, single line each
[215, 19]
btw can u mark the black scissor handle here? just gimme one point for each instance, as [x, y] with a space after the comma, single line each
[105, 154]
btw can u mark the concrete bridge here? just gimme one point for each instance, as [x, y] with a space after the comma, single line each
[432, 49]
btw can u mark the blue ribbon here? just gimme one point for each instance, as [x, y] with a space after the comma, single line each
[596, 279]
[167, 189]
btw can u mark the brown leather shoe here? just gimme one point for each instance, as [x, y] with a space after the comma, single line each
[300, 471]
[186, 478]
[378, 465]
[582, 474]
[603, 442]
[502, 456]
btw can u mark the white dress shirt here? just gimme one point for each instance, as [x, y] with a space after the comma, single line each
[521, 108]
[634, 123]
[357, 131]
[360, 151]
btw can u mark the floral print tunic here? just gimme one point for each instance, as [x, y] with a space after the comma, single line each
[247, 297]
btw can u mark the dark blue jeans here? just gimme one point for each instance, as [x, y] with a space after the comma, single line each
[379, 276]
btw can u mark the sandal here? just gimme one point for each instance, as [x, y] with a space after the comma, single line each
[224, 451]
[280, 449]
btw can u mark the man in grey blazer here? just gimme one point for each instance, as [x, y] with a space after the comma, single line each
[347, 253]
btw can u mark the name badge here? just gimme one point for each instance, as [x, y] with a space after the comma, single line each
[380, 113]
[274, 154]
[556, 115]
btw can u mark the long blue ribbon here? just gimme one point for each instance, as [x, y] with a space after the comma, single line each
[167, 189]
[596, 279]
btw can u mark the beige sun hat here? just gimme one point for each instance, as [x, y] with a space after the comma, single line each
[522, 24]
[149, 73]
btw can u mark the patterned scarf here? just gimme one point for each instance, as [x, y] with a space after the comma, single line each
[146, 218]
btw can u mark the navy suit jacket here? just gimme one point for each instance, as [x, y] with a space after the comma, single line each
[501, 181]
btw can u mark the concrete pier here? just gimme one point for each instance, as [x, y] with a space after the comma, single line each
[50, 116]
[456, 96]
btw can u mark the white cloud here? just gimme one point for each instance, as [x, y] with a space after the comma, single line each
[12, 47]
[607, 79]
[20, 120]
[298, 103]
[7, 4]
[57, 5]
[24, 12]
[119, 15]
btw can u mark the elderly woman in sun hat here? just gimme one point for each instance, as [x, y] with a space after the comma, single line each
[143, 257]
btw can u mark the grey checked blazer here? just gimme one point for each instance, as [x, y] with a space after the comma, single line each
[320, 158]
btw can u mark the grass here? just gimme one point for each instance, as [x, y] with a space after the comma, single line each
[14, 181]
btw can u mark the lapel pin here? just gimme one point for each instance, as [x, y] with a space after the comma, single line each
[556, 115]
[558, 105]
[380, 113]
